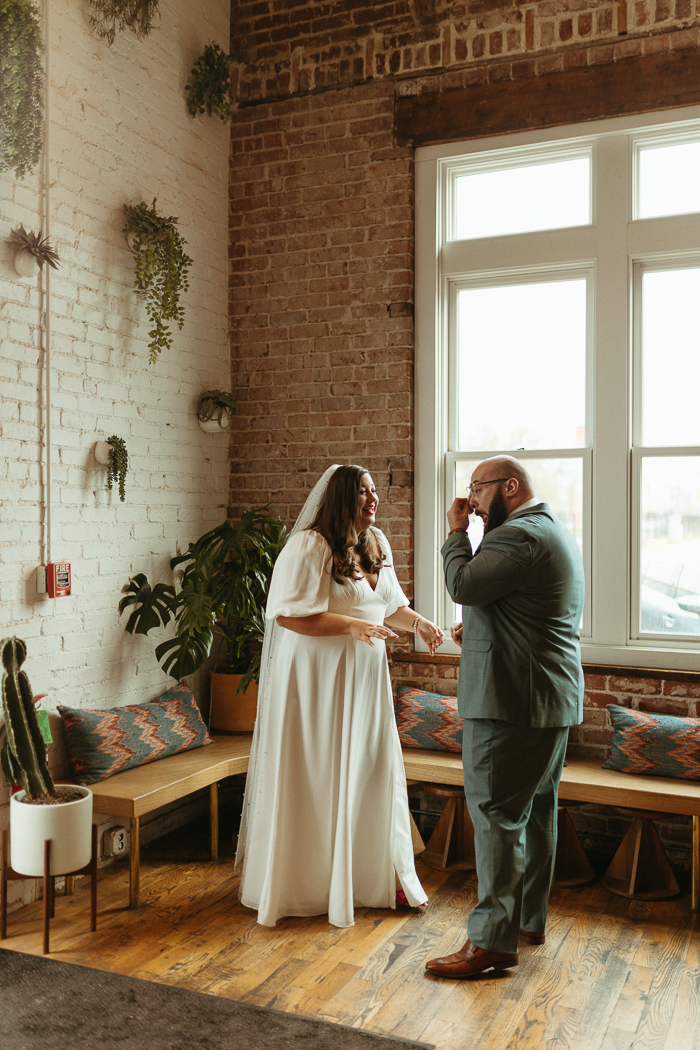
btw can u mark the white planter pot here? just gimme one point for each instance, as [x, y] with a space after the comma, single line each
[211, 426]
[68, 825]
[26, 264]
[102, 451]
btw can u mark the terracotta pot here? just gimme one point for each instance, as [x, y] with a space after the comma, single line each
[231, 711]
[68, 825]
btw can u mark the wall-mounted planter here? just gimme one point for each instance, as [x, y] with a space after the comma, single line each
[102, 450]
[31, 252]
[26, 265]
[112, 454]
[214, 410]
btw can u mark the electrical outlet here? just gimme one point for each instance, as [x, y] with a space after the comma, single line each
[41, 579]
[114, 842]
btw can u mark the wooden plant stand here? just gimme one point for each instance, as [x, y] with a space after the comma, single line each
[7, 874]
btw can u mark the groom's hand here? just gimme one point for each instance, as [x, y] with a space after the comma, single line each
[458, 514]
[456, 633]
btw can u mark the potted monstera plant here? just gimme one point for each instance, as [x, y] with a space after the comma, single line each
[41, 810]
[223, 582]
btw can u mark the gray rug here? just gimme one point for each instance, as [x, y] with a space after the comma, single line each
[51, 1005]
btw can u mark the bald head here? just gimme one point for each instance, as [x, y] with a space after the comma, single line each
[506, 467]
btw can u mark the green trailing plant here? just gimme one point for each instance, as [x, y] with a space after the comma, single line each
[34, 244]
[225, 578]
[21, 77]
[23, 754]
[216, 404]
[208, 88]
[160, 269]
[118, 465]
[112, 16]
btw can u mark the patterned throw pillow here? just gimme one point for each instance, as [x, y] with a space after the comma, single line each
[427, 720]
[655, 745]
[101, 743]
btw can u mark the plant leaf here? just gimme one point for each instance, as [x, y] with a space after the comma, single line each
[155, 606]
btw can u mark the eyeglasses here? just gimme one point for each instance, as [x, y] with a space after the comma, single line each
[473, 489]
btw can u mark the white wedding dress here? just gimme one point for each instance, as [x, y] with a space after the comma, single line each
[325, 825]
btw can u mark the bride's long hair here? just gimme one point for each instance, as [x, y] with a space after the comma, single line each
[335, 521]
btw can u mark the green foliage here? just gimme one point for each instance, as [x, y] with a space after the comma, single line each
[216, 403]
[34, 244]
[23, 755]
[223, 589]
[118, 464]
[160, 269]
[21, 80]
[112, 16]
[208, 89]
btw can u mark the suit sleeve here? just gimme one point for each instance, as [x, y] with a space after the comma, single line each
[498, 567]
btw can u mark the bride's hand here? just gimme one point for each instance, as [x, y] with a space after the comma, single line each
[365, 631]
[431, 634]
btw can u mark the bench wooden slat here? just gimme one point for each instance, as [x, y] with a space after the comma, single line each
[138, 791]
[585, 780]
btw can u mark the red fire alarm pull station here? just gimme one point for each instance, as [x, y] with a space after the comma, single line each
[58, 579]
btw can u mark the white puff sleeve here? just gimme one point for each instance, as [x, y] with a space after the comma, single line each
[301, 579]
[391, 588]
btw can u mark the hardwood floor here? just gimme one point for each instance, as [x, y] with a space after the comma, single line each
[614, 974]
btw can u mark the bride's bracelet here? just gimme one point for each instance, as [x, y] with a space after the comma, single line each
[414, 625]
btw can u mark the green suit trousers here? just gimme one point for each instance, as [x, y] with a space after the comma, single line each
[511, 783]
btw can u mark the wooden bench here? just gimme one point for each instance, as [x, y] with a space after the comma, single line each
[584, 780]
[137, 792]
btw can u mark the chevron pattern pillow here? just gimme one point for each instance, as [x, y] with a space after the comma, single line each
[101, 743]
[654, 745]
[427, 720]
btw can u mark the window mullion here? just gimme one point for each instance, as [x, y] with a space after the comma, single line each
[610, 523]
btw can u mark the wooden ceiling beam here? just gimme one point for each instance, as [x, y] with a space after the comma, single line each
[642, 84]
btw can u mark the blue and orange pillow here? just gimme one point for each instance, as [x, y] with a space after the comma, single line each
[102, 743]
[654, 745]
[427, 721]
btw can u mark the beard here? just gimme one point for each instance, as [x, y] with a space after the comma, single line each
[497, 513]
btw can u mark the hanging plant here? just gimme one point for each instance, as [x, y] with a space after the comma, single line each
[112, 16]
[34, 244]
[160, 270]
[21, 77]
[218, 405]
[118, 464]
[210, 83]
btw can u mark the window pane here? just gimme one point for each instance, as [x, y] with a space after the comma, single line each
[670, 545]
[669, 180]
[558, 482]
[522, 366]
[670, 350]
[523, 199]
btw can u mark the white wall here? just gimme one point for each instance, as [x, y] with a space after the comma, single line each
[119, 133]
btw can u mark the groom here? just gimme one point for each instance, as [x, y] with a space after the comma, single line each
[520, 688]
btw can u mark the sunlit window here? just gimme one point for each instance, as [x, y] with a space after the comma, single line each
[669, 180]
[523, 199]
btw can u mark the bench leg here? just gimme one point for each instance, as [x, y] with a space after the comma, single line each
[695, 885]
[214, 820]
[134, 862]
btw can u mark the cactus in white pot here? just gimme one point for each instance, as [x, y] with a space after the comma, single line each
[41, 810]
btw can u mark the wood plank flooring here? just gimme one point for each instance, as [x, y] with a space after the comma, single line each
[613, 975]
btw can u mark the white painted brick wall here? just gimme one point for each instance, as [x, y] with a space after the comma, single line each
[119, 133]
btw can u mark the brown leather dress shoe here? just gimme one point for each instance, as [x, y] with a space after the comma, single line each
[532, 938]
[468, 961]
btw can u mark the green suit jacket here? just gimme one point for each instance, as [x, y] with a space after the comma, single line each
[522, 597]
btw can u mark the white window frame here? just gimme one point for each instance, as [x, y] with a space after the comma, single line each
[616, 246]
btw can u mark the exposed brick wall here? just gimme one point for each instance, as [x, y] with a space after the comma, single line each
[321, 251]
[321, 301]
[119, 133]
[283, 49]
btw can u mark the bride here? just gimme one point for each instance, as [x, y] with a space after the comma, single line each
[325, 824]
